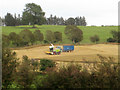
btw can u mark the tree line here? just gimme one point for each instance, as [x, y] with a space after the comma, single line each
[26, 38]
[33, 14]
[54, 20]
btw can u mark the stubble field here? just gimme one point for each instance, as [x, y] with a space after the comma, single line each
[82, 53]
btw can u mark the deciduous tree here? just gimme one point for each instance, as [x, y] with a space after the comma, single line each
[33, 14]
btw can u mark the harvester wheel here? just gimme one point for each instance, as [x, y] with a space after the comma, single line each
[54, 53]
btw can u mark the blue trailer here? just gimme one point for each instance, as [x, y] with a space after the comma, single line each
[68, 48]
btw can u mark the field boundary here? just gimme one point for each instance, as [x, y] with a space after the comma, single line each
[34, 46]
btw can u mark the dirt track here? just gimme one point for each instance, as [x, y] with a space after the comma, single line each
[81, 53]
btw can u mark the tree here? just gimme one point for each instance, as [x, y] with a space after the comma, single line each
[5, 40]
[111, 40]
[50, 36]
[9, 20]
[116, 36]
[38, 35]
[83, 21]
[27, 37]
[95, 38]
[25, 74]
[74, 33]
[17, 20]
[9, 64]
[58, 36]
[33, 14]
[15, 38]
[70, 21]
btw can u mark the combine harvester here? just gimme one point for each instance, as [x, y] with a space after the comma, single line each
[54, 51]
[58, 49]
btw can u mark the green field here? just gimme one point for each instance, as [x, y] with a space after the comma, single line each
[88, 31]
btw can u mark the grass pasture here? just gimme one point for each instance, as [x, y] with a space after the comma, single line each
[88, 31]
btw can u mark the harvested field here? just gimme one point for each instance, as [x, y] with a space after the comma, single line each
[82, 53]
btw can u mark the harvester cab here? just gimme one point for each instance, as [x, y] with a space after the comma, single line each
[51, 48]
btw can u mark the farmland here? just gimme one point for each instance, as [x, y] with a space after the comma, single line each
[81, 53]
[88, 31]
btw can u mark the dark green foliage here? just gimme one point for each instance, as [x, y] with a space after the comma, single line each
[45, 63]
[25, 73]
[111, 40]
[15, 38]
[38, 80]
[33, 14]
[13, 85]
[17, 20]
[70, 21]
[54, 20]
[95, 38]
[5, 40]
[9, 64]
[35, 64]
[102, 75]
[46, 42]
[74, 33]
[116, 35]
[50, 36]
[27, 37]
[9, 20]
[58, 36]
[38, 35]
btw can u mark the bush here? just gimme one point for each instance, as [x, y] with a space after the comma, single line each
[50, 36]
[15, 38]
[102, 75]
[95, 38]
[38, 80]
[111, 40]
[116, 37]
[14, 85]
[73, 33]
[58, 36]
[45, 41]
[45, 63]
[5, 40]
[25, 73]
[27, 37]
[38, 35]
[9, 64]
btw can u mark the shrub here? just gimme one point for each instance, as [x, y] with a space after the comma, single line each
[111, 40]
[50, 36]
[27, 37]
[25, 73]
[45, 63]
[45, 41]
[14, 85]
[95, 38]
[35, 65]
[38, 35]
[58, 36]
[116, 36]
[74, 33]
[5, 40]
[9, 64]
[38, 80]
[102, 75]
[15, 38]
